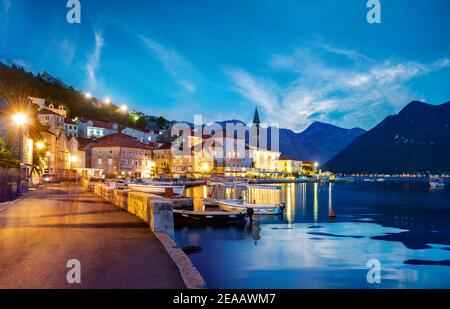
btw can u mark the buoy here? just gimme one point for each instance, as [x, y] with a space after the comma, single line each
[332, 214]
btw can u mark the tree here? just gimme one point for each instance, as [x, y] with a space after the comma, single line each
[141, 123]
[38, 162]
[6, 155]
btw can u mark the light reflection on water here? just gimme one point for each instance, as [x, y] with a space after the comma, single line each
[400, 224]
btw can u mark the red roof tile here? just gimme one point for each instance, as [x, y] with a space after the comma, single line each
[46, 111]
[120, 140]
[98, 124]
[288, 158]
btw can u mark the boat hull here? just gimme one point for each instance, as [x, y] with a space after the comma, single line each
[157, 189]
[188, 217]
[435, 185]
[236, 206]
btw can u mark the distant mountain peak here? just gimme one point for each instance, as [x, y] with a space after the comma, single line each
[417, 139]
[414, 105]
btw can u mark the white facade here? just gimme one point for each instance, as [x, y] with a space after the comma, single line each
[144, 136]
[52, 119]
[71, 129]
[54, 107]
[95, 129]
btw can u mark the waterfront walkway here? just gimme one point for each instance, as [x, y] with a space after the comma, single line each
[57, 223]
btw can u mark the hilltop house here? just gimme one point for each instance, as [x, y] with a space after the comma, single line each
[144, 136]
[88, 128]
[45, 104]
[70, 128]
[52, 119]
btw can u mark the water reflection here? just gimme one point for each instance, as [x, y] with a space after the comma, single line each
[404, 225]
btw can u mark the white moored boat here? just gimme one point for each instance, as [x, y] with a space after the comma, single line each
[436, 182]
[226, 181]
[242, 206]
[157, 188]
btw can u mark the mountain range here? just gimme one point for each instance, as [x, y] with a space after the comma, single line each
[319, 142]
[417, 139]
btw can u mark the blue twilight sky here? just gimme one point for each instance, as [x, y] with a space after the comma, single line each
[298, 61]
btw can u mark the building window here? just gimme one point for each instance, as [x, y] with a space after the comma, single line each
[99, 161]
[110, 161]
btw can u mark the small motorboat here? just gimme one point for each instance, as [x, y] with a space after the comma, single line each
[369, 180]
[157, 188]
[116, 184]
[188, 217]
[209, 201]
[226, 181]
[258, 209]
[263, 186]
[436, 182]
[344, 179]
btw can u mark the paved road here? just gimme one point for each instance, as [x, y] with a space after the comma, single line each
[40, 233]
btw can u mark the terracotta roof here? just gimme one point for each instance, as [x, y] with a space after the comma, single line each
[309, 162]
[55, 105]
[120, 140]
[140, 130]
[83, 142]
[98, 124]
[46, 111]
[166, 146]
[288, 158]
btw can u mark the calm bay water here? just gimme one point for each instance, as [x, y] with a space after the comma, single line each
[405, 225]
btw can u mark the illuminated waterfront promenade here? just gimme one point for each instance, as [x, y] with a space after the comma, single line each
[57, 223]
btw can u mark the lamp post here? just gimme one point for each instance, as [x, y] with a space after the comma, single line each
[20, 120]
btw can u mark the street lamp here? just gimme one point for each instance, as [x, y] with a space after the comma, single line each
[107, 100]
[124, 108]
[20, 120]
[40, 145]
[88, 95]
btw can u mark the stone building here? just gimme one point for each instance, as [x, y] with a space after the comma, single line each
[120, 155]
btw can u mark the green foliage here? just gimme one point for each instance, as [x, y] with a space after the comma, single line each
[38, 162]
[7, 156]
[141, 123]
[52, 89]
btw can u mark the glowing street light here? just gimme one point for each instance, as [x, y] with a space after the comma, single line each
[88, 95]
[40, 145]
[20, 119]
[107, 100]
[124, 108]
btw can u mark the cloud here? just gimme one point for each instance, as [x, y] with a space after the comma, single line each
[67, 51]
[173, 62]
[350, 53]
[93, 62]
[349, 95]
[5, 6]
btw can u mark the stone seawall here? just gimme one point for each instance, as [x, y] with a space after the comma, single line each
[157, 212]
